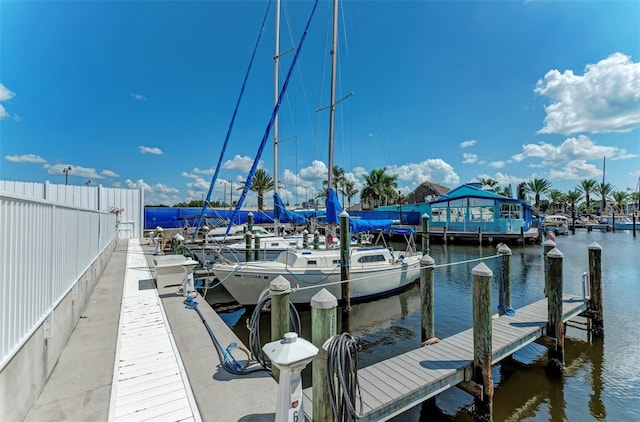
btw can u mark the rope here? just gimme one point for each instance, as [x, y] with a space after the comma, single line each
[227, 360]
[253, 325]
[342, 373]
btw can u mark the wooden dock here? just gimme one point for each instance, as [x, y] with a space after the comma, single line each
[397, 384]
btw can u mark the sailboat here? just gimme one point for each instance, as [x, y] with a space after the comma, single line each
[374, 271]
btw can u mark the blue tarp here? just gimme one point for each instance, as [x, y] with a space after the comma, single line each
[285, 216]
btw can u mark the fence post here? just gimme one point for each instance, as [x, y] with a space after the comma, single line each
[555, 325]
[279, 290]
[504, 287]
[323, 327]
[595, 287]
[482, 349]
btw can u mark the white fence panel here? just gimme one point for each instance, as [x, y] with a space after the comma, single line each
[45, 248]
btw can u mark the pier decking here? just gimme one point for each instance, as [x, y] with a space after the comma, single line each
[395, 385]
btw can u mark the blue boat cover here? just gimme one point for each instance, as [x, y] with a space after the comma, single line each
[334, 209]
[283, 215]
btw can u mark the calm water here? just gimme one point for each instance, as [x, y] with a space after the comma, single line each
[602, 379]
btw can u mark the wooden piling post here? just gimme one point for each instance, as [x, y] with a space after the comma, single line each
[445, 235]
[547, 246]
[555, 324]
[247, 246]
[316, 239]
[522, 235]
[504, 288]
[305, 239]
[633, 217]
[250, 222]
[480, 235]
[427, 267]
[256, 247]
[482, 350]
[425, 234]
[323, 327]
[595, 286]
[344, 260]
[279, 290]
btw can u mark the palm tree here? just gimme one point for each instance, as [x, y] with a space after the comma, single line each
[573, 197]
[522, 191]
[538, 187]
[620, 200]
[338, 181]
[587, 187]
[605, 190]
[556, 197]
[350, 191]
[379, 188]
[489, 183]
[261, 182]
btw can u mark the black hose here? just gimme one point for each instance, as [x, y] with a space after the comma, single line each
[342, 364]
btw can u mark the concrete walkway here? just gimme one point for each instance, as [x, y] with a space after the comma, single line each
[80, 386]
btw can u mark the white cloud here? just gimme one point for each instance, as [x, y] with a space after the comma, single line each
[138, 97]
[3, 113]
[467, 144]
[605, 99]
[149, 150]
[314, 173]
[239, 163]
[17, 117]
[469, 158]
[434, 170]
[5, 93]
[575, 148]
[503, 179]
[497, 164]
[76, 171]
[26, 158]
[109, 173]
[575, 170]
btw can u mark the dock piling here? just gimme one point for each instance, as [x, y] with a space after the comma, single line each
[305, 239]
[425, 234]
[427, 267]
[279, 290]
[323, 327]
[547, 246]
[555, 325]
[247, 246]
[344, 260]
[482, 349]
[595, 286]
[316, 239]
[504, 287]
[256, 250]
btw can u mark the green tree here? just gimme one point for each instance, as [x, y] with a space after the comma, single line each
[261, 182]
[380, 188]
[350, 191]
[538, 187]
[556, 197]
[573, 197]
[491, 184]
[605, 190]
[338, 181]
[522, 191]
[620, 200]
[587, 187]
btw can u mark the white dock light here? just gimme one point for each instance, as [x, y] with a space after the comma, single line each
[291, 355]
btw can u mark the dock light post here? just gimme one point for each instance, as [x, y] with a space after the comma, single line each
[66, 171]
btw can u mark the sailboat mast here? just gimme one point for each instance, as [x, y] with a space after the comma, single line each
[276, 69]
[332, 104]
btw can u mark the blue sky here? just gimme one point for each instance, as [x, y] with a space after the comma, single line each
[141, 94]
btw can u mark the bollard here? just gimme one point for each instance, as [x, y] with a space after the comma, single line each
[595, 286]
[279, 290]
[344, 261]
[425, 234]
[323, 327]
[256, 247]
[316, 239]
[427, 268]
[504, 287]
[555, 325]
[247, 246]
[482, 349]
[546, 247]
[480, 236]
[633, 219]
[305, 239]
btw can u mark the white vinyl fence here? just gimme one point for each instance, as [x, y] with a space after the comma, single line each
[45, 247]
[128, 204]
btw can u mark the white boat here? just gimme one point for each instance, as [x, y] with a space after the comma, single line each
[374, 272]
[557, 224]
[237, 233]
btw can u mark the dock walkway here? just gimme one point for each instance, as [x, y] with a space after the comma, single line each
[170, 372]
[397, 384]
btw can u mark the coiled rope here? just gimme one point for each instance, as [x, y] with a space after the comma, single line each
[342, 374]
[253, 324]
